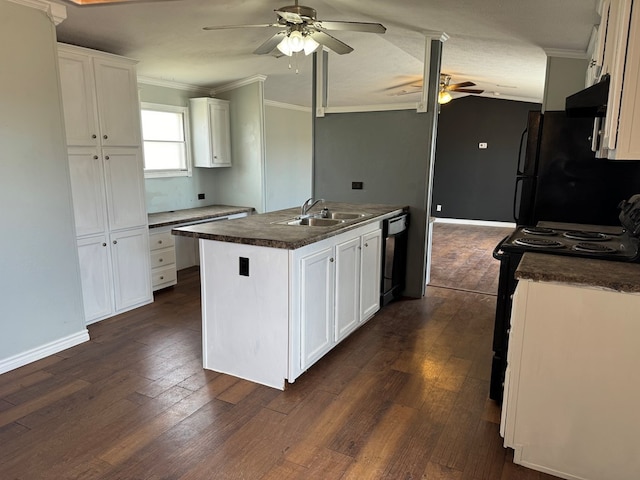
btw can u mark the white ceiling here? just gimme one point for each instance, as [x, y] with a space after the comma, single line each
[498, 44]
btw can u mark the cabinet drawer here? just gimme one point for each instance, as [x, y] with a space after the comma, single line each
[166, 256]
[164, 277]
[161, 240]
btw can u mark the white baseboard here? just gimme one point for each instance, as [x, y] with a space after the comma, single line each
[42, 351]
[480, 223]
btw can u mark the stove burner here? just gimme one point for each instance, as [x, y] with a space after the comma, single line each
[537, 242]
[590, 236]
[539, 231]
[593, 248]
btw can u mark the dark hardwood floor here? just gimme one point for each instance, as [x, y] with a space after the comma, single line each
[404, 397]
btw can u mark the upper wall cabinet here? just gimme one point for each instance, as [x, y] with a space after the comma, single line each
[620, 129]
[210, 132]
[100, 98]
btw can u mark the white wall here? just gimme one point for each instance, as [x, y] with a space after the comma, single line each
[289, 150]
[40, 292]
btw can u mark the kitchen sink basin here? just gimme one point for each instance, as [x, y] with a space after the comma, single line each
[347, 215]
[314, 222]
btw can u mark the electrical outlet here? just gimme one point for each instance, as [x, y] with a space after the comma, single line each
[356, 185]
[201, 196]
[482, 145]
[438, 208]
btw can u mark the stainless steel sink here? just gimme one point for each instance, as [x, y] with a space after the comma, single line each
[314, 222]
[347, 215]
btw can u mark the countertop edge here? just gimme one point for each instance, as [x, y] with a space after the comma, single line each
[319, 233]
[621, 277]
[196, 217]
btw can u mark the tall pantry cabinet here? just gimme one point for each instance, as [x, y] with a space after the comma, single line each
[102, 121]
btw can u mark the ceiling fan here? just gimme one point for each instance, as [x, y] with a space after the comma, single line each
[300, 30]
[445, 87]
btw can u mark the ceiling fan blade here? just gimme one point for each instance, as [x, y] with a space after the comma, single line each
[227, 27]
[351, 26]
[268, 46]
[456, 86]
[290, 17]
[331, 43]
[468, 90]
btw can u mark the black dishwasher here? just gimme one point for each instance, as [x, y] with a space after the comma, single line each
[394, 257]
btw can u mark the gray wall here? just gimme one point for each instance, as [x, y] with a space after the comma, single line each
[40, 291]
[389, 153]
[565, 76]
[288, 156]
[472, 183]
[176, 193]
[243, 183]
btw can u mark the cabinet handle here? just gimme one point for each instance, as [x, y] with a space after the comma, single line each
[106, 157]
[215, 156]
[366, 244]
[104, 244]
[95, 157]
[160, 241]
[159, 260]
[331, 259]
[94, 136]
[105, 137]
[161, 278]
[115, 241]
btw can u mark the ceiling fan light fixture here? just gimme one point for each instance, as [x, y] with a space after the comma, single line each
[444, 97]
[285, 46]
[310, 45]
[296, 41]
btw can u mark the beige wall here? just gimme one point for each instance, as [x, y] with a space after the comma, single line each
[565, 76]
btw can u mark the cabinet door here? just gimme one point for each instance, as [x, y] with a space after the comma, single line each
[87, 188]
[347, 304]
[131, 268]
[125, 188]
[220, 134]
[316, 305]
[95, 274]
[371, 273]
[118, 105]
[78, 99]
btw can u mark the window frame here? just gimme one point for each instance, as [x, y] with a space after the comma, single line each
[161, 107]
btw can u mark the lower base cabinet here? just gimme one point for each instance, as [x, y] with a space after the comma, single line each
[114, 270]
[272, 320]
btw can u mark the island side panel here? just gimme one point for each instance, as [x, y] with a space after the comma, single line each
[245, 318]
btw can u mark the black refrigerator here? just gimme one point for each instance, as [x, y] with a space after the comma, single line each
[560, 179]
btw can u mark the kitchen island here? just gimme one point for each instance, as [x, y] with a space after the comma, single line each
[571, 389]
[277, 296]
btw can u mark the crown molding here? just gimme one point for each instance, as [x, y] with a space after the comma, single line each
[57, 13]
[559, 52]
[288, 106]
[371, 108]
[157, 82]
[239, 83]
[435, 35]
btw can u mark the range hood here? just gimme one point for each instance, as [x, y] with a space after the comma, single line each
[590, 102]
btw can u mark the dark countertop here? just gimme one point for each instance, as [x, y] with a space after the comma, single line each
[619, 276]
[263, 230]
[176, 217]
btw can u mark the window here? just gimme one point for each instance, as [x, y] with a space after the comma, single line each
[165, 135]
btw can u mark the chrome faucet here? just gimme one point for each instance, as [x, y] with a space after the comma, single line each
[308, 205]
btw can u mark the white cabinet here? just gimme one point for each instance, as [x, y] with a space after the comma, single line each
[571, 389]
[619, 131]
[338, 287]
[95, 274]
[210, 132]
[371, 274]
[163, 258]
[102, 121]
[100, 98]
[317, 289]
